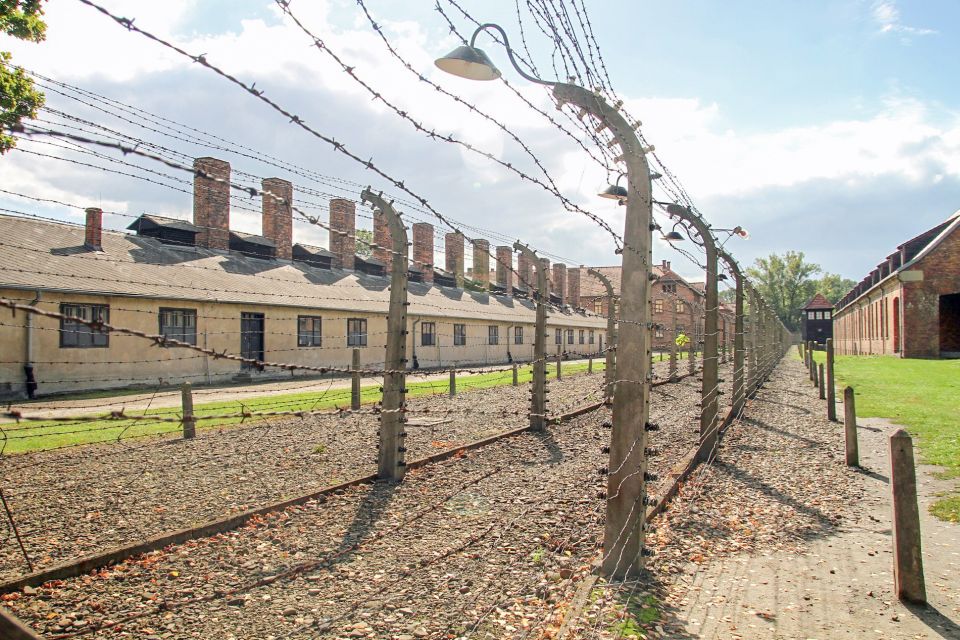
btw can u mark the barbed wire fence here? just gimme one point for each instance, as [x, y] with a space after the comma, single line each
[126, 471]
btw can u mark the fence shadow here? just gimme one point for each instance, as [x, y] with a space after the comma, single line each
[642, 604]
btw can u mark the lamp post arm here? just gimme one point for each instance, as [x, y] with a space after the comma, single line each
[506, 45]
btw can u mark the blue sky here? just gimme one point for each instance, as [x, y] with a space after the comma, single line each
[827, 127]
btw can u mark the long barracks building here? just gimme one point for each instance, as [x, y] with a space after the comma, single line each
[263, 297]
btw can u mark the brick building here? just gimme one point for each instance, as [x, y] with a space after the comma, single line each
[677, 304]
[264, 297]
[910, 304]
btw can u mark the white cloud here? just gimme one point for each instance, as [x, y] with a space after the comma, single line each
[887, 16]
[904, 141]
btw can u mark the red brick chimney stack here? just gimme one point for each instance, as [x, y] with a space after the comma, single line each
[278, 215]
[505, 268]
[453, 245]
[343, 229]
[382, 238]
[560, 281]
[573, 287]
[93, 231]
[211, 202]
[423, 249]
[481, 262]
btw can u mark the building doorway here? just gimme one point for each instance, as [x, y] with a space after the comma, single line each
[896, 325]
[251, 338]
[950, 325]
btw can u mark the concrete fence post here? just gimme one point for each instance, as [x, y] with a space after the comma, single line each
[516, 377]
[453, 382]
[559, 360]
[823, 381]
[831, 384]
[391, 456]
[850, 428]
[907, 559]
[813, 374]
[538, 392]
[692, 359]
[189, 422]
[355, 380]
[590, 364]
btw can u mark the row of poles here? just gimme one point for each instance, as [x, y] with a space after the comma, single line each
[908, 577]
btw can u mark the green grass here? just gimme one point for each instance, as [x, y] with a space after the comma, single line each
[34, 436]
[637, 612]
[921, 395]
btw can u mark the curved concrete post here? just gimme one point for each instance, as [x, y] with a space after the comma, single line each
[738, 351]
[390, 459]
[538, 393]
[626, 484]
[709, 395]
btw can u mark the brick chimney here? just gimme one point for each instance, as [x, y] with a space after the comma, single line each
[505, 268]
[211, 202]
[560, 281]
[573, 287]
[343, 229]
[453, 245]
[525, 273]
[423, 249]
[278, 215]
[481, 262]
[382, 238]
[665, 265]
[93, 231]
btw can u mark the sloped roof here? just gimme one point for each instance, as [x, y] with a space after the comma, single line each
[51, 256]
[591, 287]
[253, 238]
[149, 220]
[817, 302]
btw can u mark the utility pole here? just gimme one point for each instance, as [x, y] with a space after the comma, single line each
[390, 460]
[609, 374]
[738, 394]
[538, 392]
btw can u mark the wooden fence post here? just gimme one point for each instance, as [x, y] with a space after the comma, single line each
[355, 381]
[831, 384]
[850, 428]
[189, 422]
[823, 381]
[453, 382]
[907, 559]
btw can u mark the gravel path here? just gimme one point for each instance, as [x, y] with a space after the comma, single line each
[78, 501]
[490, 544]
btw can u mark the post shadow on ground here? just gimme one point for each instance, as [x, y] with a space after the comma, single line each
[753, 422]
[933, 618]
[802, 410]
[369, 511]
[827, 524]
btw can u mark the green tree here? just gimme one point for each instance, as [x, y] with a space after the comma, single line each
[364, 240]
[19, 98]
[833, 287]
[785, 282]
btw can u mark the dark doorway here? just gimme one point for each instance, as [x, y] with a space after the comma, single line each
[950, 325]
[251, 338]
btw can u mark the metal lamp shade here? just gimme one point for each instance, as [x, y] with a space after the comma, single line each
[468, 62]
[614, 192]
[673, 235]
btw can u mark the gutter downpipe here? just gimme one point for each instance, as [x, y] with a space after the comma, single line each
[30, 379]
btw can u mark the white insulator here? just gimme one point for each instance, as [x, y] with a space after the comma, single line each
[649, 149]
